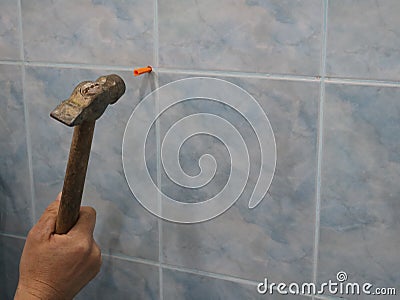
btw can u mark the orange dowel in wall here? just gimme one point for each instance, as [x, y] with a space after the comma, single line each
[141, 71]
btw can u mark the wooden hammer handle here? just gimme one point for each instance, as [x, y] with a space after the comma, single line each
[75, 175]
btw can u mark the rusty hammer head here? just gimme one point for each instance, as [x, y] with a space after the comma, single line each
[89, 100]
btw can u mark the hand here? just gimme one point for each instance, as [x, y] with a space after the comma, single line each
[58, 266]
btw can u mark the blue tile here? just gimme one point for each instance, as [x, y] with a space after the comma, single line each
[123, 226]
[15, 208]
[360, 191]
[363, 39]
[9, 30]
[276, 238]
[270, 36]
[10, 253]
[120, 279]
[90, 32]
[179, 285]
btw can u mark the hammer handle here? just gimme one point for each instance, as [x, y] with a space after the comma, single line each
[75, 175]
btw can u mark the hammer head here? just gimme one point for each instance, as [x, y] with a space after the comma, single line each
[89, 100]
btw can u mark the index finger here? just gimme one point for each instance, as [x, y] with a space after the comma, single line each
[86, 222]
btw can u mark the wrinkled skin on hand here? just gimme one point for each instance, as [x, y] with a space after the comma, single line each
[57, 266]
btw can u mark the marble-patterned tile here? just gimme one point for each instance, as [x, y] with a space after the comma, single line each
[15, 197]
[121, 279]
[275, 239]
[270, 36]
[123, 226]
[179, 286]
[9, 31]
[360, 206]
[89, 32]
[363, 39]
[10, 254]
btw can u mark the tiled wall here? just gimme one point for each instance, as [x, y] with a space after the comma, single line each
[326, 72]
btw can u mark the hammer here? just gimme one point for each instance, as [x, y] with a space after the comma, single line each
[86, 104]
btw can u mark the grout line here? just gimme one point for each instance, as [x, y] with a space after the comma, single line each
[155, 38]
[26, 116]
[68, 65]
[239, 74]
[14, 236]
[158, 168]
[132, 259]
[157, 129]
[367, 82]
[211, 275]
[271, 76]
[160, 232]
[320, 141]
[324, 39]
[181, 269]
[166, 70]
[11, 62]
[80, 66]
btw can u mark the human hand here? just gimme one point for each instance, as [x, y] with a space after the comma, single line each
[58, 266]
